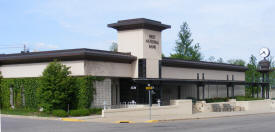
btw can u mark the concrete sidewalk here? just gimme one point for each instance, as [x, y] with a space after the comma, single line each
[171, 117]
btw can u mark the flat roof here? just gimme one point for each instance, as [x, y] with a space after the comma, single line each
[139, 23]
[66, 55]
[109, 56]
[201, 64]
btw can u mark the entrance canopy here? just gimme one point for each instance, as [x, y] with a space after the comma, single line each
[200, 83]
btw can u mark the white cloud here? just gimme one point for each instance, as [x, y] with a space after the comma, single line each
[228, 29]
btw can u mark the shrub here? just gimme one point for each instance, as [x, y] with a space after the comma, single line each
[244, 98]
[79, 112]
[95, 111]
[60, 113]
[216, 100]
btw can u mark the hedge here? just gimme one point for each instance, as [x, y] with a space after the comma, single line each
[238, 98]
[85, 112]
[60, 113]
[79, 112]
[29, 86]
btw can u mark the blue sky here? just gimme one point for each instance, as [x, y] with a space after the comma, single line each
[229, 29]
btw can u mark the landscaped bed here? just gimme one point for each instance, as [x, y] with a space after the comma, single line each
[238, 98]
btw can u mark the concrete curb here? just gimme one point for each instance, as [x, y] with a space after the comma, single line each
[72, 120]
[151, 121]
[209, 117]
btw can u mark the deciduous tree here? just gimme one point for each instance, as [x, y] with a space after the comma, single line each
[251, 75]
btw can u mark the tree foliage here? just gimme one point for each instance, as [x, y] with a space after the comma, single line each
[251, 75]
[184, 48]
[211, 59]
[237, 62]
[0, 90]
[114, 47]
[272, 74]
[220, 60]
[57, 87]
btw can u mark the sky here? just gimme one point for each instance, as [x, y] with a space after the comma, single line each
[230, 29]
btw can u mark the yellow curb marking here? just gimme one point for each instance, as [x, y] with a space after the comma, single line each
[124, 122]
[151, 121]
[70, 119]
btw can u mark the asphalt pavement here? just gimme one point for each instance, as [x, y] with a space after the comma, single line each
[248, 123]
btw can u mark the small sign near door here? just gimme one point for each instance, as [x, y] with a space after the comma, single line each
[133, 87]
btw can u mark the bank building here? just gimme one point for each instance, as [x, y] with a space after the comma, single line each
[137, 63]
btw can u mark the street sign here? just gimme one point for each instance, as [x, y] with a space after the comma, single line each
[149, 88]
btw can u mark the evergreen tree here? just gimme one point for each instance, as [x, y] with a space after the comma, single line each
[184, 48]
[57, 87]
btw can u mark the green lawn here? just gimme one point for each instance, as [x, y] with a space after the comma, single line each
[25, 112]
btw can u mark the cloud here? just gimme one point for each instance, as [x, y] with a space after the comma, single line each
[228, 29]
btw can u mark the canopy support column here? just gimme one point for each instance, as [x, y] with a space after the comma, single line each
[203, 91]
[267, 87]
[257, 91]
[233, 87]
[198, 92]
[253, 93]
[179, 92]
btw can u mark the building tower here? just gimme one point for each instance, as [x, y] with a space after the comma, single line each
[142, 38]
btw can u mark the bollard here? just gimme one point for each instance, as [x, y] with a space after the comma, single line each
[102, 113]
[104, 108]
[158, 102]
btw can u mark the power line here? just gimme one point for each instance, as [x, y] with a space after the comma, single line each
[24, 47]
